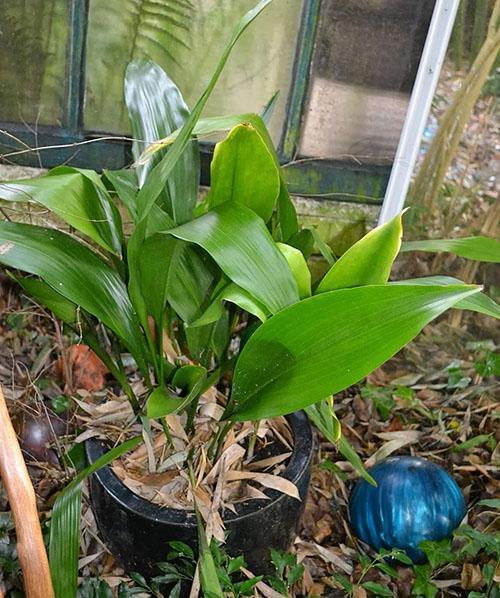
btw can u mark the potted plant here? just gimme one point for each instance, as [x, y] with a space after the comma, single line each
[212, 297]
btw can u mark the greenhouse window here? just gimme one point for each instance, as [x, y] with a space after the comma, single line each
[344, 71]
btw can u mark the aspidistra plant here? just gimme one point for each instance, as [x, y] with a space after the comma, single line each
[197, 271]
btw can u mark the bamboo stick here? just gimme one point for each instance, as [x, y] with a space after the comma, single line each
[457, 37]
[30, 546]
[425, 189]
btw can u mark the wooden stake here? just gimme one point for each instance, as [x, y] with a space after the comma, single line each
[30, 546]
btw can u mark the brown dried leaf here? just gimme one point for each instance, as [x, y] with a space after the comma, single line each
[269, 462]
[267, 480]
[229, 456]
[471, 578]
[397, 440]
[327, 555]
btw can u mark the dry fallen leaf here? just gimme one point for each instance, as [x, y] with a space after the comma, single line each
[471, 578]
[267, 480]
[85, 369]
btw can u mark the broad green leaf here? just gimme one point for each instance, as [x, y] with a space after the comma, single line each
[234, 294]
[325, 420]
[209, 579]
[126, 185]
[287, 215]
[172, 270]
[369, 261]
[154, 261]
[77, 273]
[207, 127]
[61, 307]
[479, 302]
[299, 268]
[67, 311]
[156, 108]
[78, 197]
[162, 402]
[304, 241]
[155, 183]
[243, 170]
[238, 240]
[323, 247]
[65, 525]
[326, 343]
[65, 542]
[482, 249]
[347, 451]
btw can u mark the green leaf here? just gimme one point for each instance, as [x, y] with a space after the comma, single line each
[472, 443]
[182, 549]
[482, 249]
[324, 344]
[438, 552]
[304, 241]
[209, 579]
[369, 261]
[234, 294]
[381, 398]
[268, 110]
[377, 589]
[78, 197]
[296, 573]
[423, 585]
[348, 452]
[299, 268]
[171, 270]
[489, 365]
[78, 274]
[155, 183]
[493, 503]
[479, 302]
[243, 170]
[207, 127]
[126, 185]
[61, 307]
[238, 240]
[287, 215]
[163, 402]
[343, 581]
[65, 525]
[323, 248]
[324, 418]
[387, 569]
[156, 108]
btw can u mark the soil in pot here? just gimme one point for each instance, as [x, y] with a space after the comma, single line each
[137, 530]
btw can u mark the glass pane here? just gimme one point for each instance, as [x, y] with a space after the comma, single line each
[33, 36]
[364, 66]
[186, 38]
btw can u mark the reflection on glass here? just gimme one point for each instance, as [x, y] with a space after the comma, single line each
[186, 38]
[33, 36]
[364, 66]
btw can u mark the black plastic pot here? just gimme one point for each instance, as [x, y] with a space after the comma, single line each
[137, 531]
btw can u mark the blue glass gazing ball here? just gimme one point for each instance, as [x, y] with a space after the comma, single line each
[414, 500]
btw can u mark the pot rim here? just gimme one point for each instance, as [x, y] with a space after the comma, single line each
[299, 462]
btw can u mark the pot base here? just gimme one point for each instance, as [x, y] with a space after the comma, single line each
[137, 531]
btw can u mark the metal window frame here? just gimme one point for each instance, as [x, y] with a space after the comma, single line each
[324, 179]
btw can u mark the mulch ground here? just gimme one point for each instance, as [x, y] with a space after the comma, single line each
[429, 400]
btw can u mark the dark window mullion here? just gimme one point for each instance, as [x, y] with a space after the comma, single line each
[75, 66]
[300, 80]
